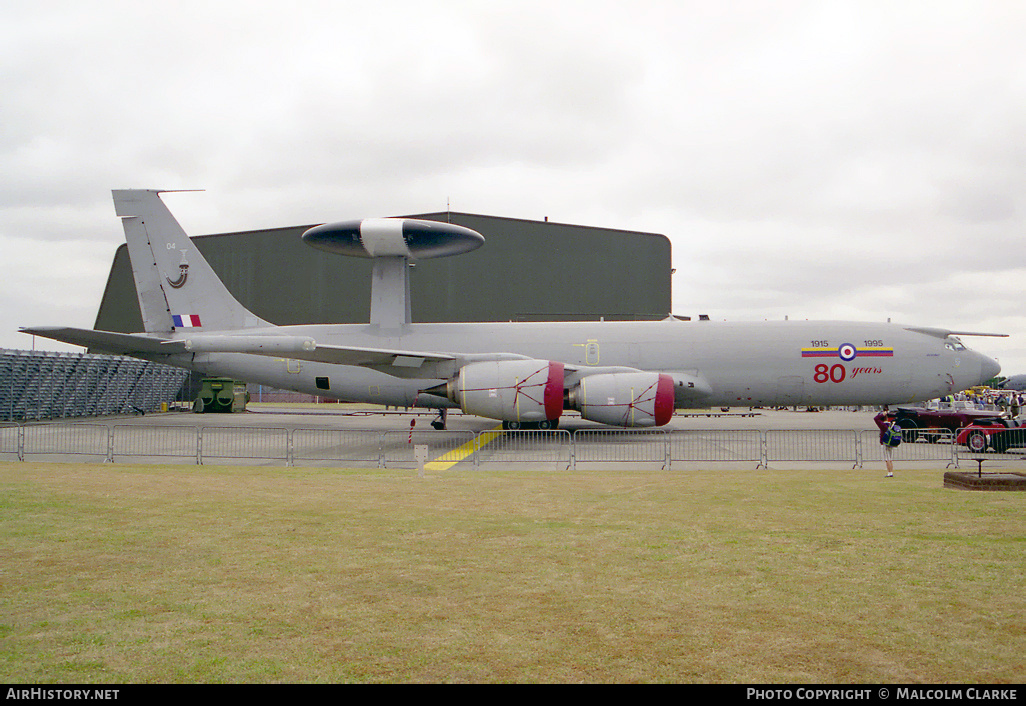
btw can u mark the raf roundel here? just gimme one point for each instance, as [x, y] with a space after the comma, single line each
[847, 352]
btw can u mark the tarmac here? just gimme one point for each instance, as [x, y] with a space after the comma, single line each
[348, 416]
[263, 425]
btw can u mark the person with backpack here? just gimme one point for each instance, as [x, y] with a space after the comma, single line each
[890, 437]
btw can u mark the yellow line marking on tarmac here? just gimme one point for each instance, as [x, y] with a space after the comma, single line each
[447, 461]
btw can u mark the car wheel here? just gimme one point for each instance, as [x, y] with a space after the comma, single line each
[976, 441]
[909, 429]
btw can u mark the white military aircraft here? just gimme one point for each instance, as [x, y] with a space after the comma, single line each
[631, 374]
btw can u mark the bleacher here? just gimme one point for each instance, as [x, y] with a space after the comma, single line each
[44, 385]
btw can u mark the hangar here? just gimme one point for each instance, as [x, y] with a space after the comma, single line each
[526, 271]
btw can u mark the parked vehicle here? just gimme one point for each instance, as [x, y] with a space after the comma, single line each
[997, 433]
[933, 424]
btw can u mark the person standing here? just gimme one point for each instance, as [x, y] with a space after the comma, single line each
[890, 436]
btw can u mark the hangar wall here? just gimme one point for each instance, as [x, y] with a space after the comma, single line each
[526, 271]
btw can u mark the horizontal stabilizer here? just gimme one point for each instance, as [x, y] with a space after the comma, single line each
[109, 341]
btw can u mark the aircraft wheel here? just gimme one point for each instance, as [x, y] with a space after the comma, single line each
[548, 424]
[976, 441]
[511, 425]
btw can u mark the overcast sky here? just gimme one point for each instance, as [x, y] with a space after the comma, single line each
[853, 160]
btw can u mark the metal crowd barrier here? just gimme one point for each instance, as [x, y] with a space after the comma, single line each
[163, 441]
[984, 448]
[396, 449]
[336, 446]
[936, 446]
[53, 439]
[526, 446]
[245, 443]
[11, 440]
[621, 446]
[813, 445]
[718, 445]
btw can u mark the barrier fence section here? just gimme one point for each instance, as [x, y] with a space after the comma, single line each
[813, 445]
[398, 447]
[620, 446]
[718, 445]
[79, 439]
[165, 441]
[583, 447]
[321, 446]
[526, 446]
[11, 441]
[245, 443]
[936, 446]
[995, 443]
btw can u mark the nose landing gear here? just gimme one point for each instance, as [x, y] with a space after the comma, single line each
[439, 424]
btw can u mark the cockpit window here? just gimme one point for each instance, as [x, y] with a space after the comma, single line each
[953, 344]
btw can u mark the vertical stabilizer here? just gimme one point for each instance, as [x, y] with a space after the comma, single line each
[177, 287]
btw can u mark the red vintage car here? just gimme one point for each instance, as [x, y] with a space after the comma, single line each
[996, 433]
[933, 424]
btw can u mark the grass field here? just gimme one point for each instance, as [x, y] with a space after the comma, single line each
[127, 574]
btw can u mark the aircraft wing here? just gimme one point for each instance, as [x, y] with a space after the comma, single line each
[372, 357]
[115, 343]
[397, 362]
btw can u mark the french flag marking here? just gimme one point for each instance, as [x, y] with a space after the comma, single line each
[186, 320]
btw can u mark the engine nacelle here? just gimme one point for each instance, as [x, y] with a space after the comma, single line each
[625, 399]
[510, 390]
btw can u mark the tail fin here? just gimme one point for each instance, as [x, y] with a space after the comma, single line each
[177, 287]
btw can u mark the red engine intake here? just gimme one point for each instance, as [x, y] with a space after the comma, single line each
[510, 390]
[625, 399]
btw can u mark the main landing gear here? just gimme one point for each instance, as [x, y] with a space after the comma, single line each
[545, 424]
[439, 423]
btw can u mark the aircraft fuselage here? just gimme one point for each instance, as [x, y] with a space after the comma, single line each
[744, 364]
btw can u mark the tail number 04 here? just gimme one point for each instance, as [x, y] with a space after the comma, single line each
[830, 373]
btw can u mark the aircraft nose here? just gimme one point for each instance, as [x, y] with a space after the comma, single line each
[989, 368]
